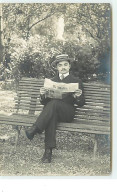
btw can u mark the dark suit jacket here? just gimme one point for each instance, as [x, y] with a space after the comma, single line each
[68, 99]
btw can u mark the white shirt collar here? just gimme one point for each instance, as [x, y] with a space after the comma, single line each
[65, 75]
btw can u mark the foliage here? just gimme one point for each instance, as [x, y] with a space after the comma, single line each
[32, 58]
[89, 26]
[20, 18]
[31, 41]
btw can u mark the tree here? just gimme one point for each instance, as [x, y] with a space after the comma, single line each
[22, 18]
[86, 37]
[89, 29]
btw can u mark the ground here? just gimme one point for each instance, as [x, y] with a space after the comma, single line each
[73, 156]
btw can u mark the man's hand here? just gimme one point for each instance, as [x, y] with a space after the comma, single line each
[42, 91]
[77, 93]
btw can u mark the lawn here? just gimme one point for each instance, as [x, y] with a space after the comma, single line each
[73, 156]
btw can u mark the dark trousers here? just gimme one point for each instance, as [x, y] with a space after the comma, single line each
[53, 112]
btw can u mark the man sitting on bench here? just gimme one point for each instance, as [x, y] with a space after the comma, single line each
[57, 110]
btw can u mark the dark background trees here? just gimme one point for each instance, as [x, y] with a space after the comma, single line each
[35, 33]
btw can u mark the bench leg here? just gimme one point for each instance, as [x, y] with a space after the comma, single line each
[95, 147]
[17, 136]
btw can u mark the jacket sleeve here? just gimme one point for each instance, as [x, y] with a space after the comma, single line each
[44, 100]
[80, 101]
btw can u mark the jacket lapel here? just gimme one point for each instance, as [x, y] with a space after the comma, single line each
[67, 79]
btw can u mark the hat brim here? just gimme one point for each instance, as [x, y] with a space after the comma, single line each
[55, 62]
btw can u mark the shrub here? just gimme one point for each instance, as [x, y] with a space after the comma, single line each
[33, 57]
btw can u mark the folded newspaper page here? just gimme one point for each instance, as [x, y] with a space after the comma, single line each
[59, 90]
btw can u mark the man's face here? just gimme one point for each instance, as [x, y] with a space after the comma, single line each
[63, 67]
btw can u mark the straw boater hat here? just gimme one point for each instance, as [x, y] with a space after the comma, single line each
[62, 57]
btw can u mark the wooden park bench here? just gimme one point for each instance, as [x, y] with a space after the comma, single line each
[92, 118]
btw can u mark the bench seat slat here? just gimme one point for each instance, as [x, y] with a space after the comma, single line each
[19, 117]
[98, 122]
[27, 122]
[92, 117]
[24, 118]
[82, 126]
[84, 131]
[84, 115]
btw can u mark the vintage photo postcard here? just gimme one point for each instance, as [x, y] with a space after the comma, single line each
[55, 89]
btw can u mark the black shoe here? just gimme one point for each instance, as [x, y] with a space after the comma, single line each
[30, 136]
[47, 157]
[31, 132]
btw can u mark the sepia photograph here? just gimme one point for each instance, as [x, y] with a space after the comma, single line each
[55, 89]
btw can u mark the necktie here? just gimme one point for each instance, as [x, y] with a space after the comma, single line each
[62, 77]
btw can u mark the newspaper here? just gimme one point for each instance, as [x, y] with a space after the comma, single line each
[59, 90]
